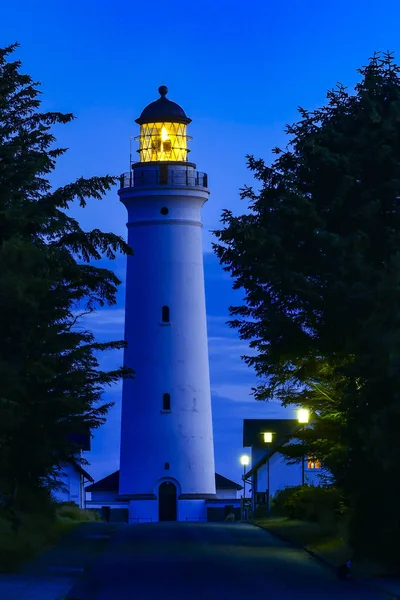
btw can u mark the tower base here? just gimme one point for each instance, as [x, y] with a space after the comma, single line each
[149, 511]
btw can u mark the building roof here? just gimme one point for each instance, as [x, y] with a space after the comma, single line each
[82, 471]
[111, 483]
[283, 430]
[254, 428]
[222, 483]
[163, 110]
[107, 484]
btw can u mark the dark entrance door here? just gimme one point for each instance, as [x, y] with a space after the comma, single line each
[167, 501]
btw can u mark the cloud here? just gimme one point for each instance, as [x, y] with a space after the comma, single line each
[105, 320]
[213, 320]
[235, 392]
[228, 345]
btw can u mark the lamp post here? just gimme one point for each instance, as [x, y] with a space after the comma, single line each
[303, 416]
[268, 440]
[244, 459]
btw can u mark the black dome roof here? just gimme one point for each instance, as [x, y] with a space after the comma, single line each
[163, 110]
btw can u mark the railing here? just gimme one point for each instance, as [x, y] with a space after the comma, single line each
[163, 175]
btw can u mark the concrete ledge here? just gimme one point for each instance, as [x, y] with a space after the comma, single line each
[127, 497]
[197, 497]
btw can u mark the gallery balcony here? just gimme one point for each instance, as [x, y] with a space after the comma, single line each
[143, 175]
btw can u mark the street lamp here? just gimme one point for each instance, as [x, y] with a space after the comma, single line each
[303, 416]
[268, 440]
[244, 459]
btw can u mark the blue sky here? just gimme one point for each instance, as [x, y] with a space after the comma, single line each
[240, 70]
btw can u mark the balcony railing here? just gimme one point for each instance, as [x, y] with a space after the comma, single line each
[163, 175]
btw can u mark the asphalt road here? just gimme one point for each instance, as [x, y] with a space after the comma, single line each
[209, 561]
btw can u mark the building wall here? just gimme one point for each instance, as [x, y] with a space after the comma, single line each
[103, 496]
[218, 511]
[143, 511]
[166, 270]
[92, 504]
[72, 481]
[282, 475]
[192, 510]
[146, 511]
[257, 454]
[233, 493]
[236, 502]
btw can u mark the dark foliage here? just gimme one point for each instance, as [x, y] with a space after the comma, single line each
[318, 256]
[51, 383]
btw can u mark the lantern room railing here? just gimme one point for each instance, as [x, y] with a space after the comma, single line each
[163, 175]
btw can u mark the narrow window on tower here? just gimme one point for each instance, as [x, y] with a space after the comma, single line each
[166, 402]
[165, 314]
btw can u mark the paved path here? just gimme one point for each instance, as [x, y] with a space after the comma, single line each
[210, 562]
[17, 587]
[53, 573]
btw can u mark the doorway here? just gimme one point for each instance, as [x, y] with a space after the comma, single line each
[167, 502]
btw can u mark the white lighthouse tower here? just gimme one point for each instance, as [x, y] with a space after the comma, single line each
[167, 452]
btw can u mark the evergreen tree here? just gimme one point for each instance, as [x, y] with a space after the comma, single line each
[51, 383]
[319, 259]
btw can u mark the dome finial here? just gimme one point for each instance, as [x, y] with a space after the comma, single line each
[163, 110]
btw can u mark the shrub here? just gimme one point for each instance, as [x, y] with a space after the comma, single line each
[260, 511]
[310, 503]
[35, 534]
[72, 512]
[279, 502]
[35, 499]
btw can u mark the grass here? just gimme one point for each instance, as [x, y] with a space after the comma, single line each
[325, 540]
[35, 534]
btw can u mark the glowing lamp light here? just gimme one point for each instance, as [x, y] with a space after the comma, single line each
[164, 134]
[160, 141]
[268, 437]
[303, 415]
[245, 460]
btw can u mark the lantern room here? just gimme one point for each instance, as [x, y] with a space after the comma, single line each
[163, 136]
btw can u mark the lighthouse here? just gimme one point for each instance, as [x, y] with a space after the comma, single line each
[167, 468]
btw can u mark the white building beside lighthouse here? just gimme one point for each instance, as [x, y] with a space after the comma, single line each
[167, 452]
